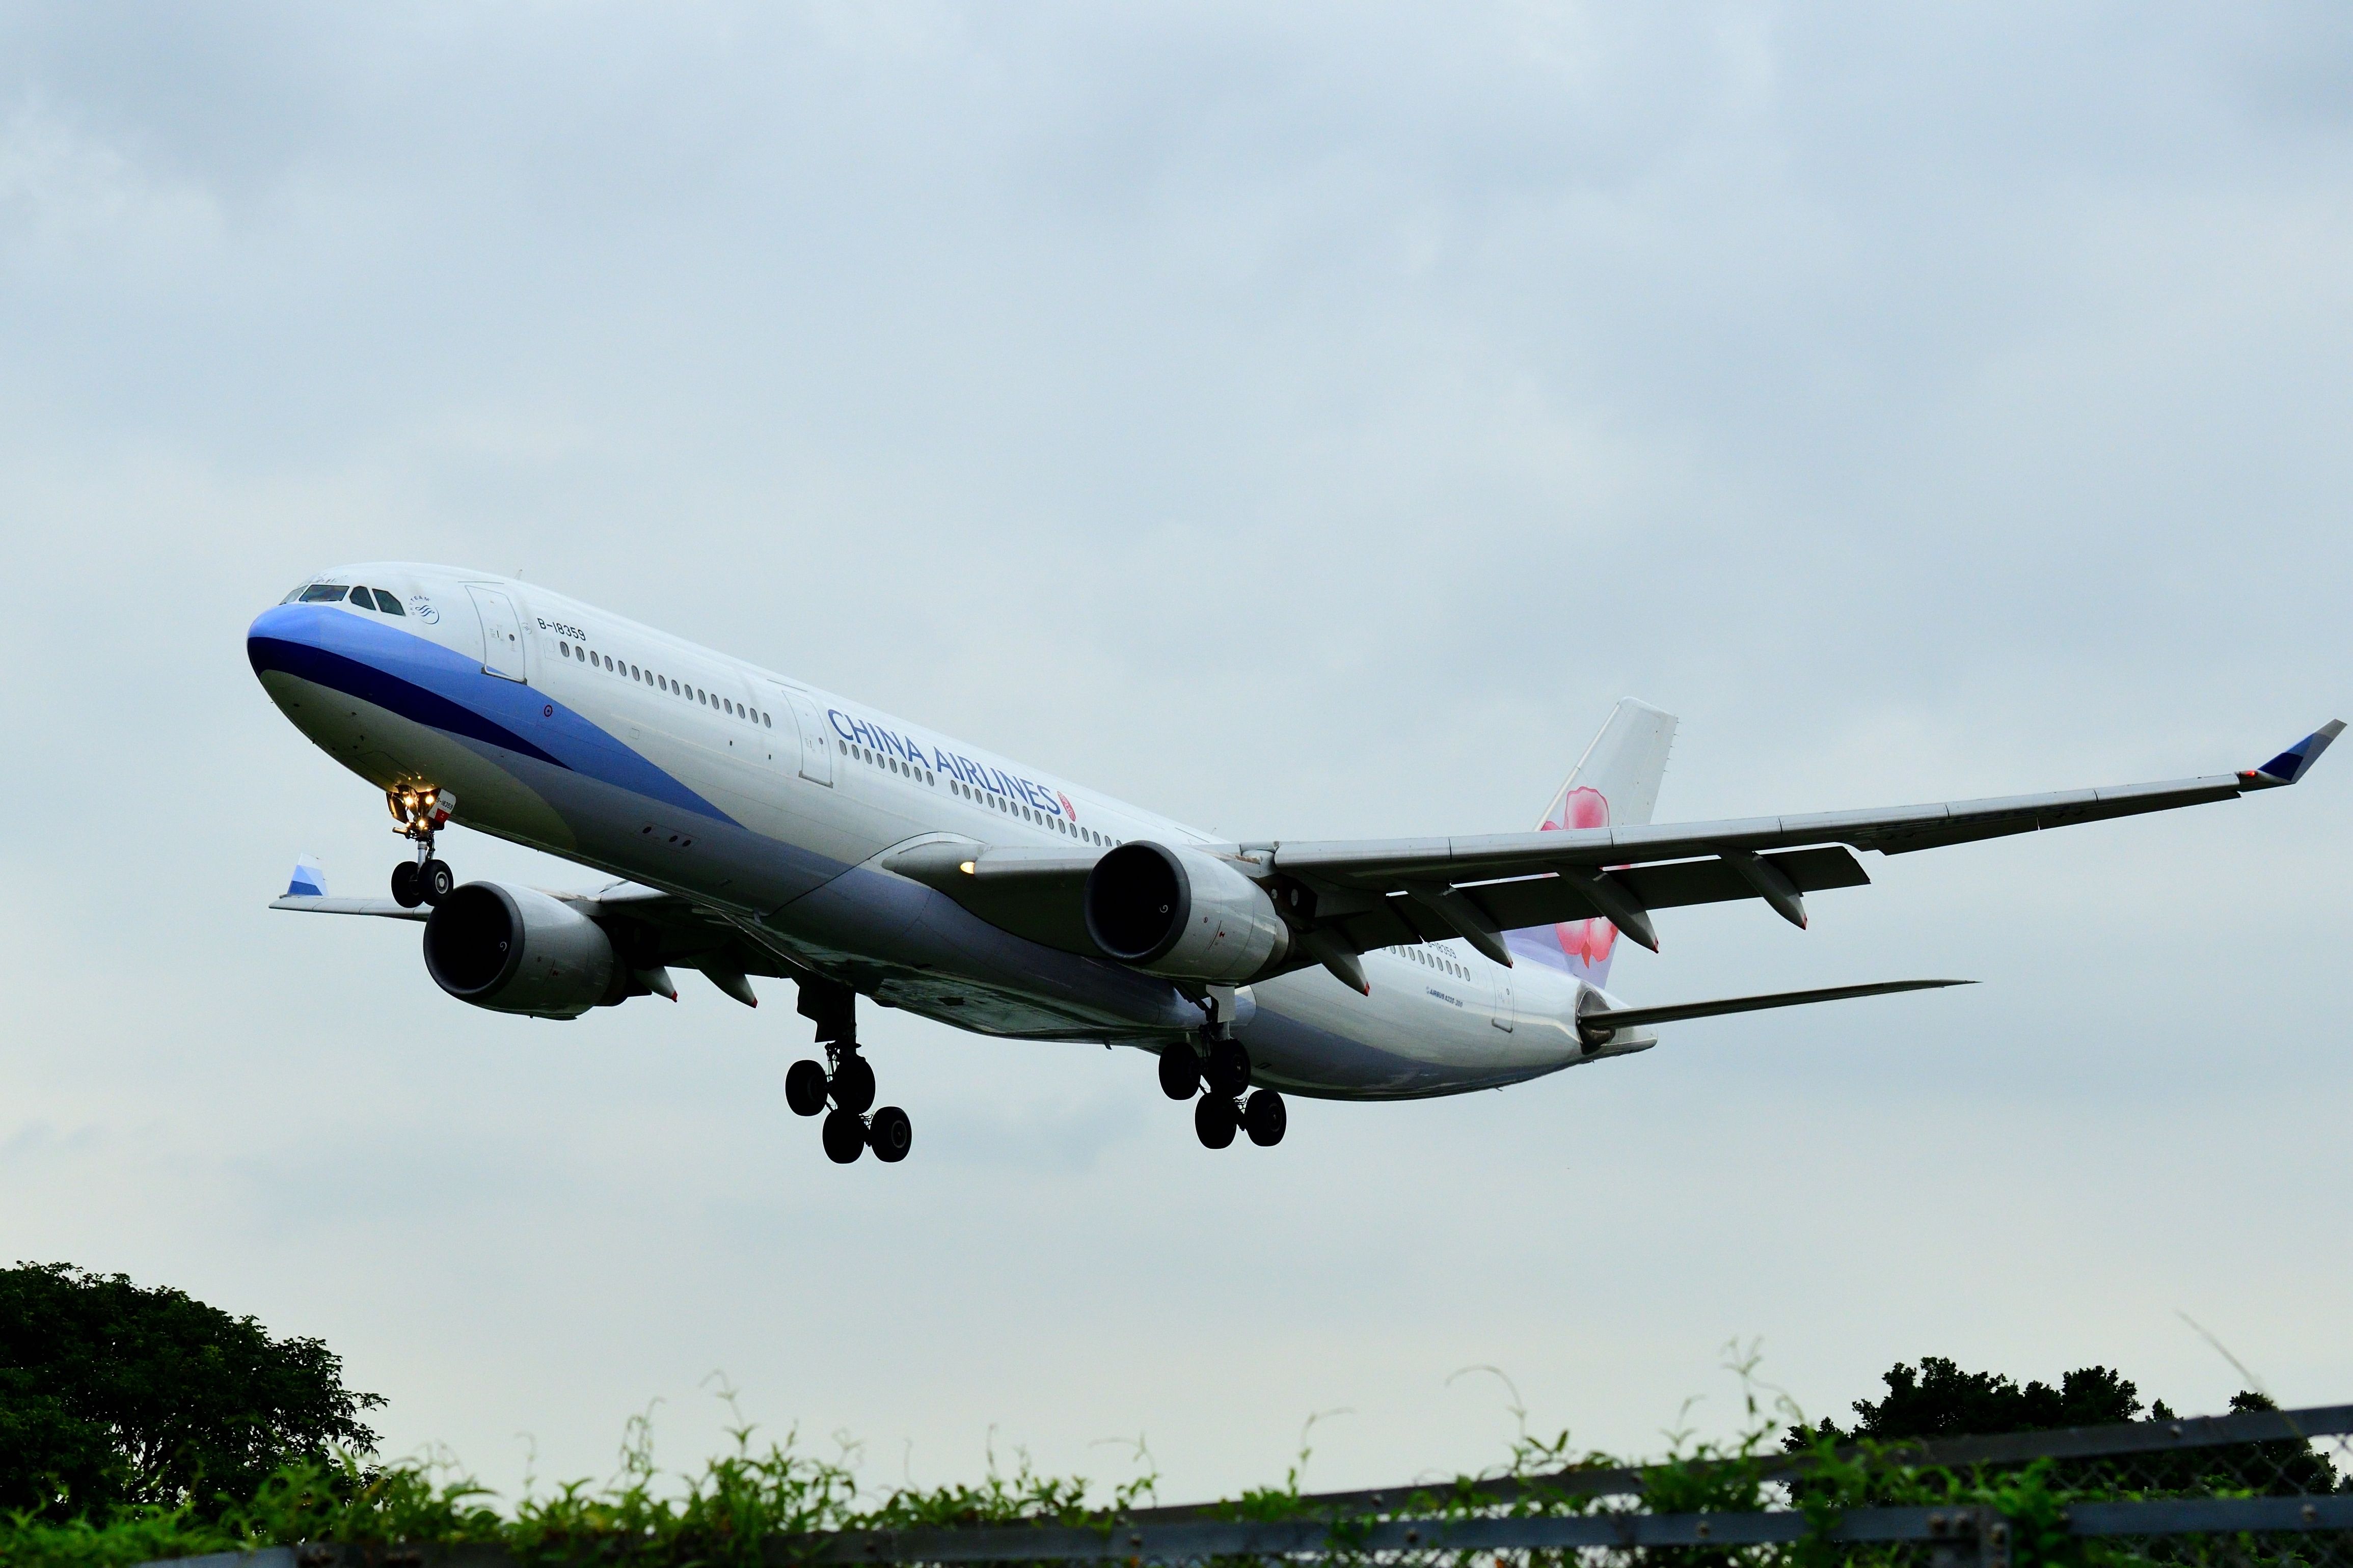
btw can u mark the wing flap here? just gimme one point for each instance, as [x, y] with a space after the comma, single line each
[1546, 900]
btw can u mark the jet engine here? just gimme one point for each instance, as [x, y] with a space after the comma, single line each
[1182, 914]
[515, 951]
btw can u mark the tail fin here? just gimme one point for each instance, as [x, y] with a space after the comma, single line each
[308, 881]
[1614, 785]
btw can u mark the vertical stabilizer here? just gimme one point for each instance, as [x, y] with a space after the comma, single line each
[1614, 785]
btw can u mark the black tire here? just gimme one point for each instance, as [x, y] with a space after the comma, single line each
[1264, 1117]
[845, 1137]
[405, 890]
[1180, 1071]
[1213, 1121]
[1229, 1068]
[854, 1085]
[434, 880]
[889, 1135]
[805, 1088]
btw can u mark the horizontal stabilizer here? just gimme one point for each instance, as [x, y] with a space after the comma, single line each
[1598, 1024]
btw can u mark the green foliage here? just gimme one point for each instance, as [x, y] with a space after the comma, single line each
[720, 1513]
[716, 1516]
[112, 1395]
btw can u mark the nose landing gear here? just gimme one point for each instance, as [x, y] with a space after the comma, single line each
[420, 812]
[847, 1088]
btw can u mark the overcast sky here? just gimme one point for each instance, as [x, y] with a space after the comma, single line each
[1302, 420]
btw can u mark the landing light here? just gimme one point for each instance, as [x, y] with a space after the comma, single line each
[964, 867]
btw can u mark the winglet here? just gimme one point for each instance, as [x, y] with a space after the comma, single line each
[2296, 761]
[308, 881]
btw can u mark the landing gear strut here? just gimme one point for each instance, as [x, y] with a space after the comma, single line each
[420, 812]
[845, 1084]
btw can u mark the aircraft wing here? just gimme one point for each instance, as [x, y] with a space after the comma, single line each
[1382, 891]
[1375, 893]
[320, 904]
[653, 931]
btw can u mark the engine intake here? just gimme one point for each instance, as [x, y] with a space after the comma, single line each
[515, 951]
[1181, 913]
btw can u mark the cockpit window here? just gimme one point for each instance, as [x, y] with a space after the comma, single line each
[323, 593]
[387, 603]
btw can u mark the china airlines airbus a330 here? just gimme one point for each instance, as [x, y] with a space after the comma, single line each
[760, 827]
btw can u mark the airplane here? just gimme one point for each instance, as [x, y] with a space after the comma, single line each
[757, 826]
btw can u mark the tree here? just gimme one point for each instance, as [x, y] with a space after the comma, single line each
[113, 1394]
[1939, 1400]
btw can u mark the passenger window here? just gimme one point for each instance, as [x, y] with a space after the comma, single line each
[323, 593]
[388, 604]
[565, 649]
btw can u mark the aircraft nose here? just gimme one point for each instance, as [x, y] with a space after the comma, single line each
[281, 626]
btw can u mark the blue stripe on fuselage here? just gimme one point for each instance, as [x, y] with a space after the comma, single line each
[423, 681]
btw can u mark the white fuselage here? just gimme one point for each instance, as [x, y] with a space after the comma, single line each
[771, 804]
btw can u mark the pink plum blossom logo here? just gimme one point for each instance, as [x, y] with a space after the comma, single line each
[1587, 944]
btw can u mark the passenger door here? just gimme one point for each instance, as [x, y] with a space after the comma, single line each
[815, 745]
[1504, 1016]
[501, 633]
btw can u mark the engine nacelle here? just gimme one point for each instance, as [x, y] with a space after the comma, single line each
[1182, 914]
[515, 951]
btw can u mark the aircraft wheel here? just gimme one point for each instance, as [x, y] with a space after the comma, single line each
[845, 1137]
[434, 880]
[1264, 1117]
[1180, 1071]
[405, 890]
[1213, 1121]
[805, 1088]
[854, 1085]
[1229, 1067]
[890, 1135]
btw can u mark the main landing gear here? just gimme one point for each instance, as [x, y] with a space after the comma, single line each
[846, 1083]
[421, 811]
[1221, 1112]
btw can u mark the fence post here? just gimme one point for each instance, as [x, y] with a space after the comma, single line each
[1968, 1538]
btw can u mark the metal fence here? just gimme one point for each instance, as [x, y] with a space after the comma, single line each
[2234, 1491]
